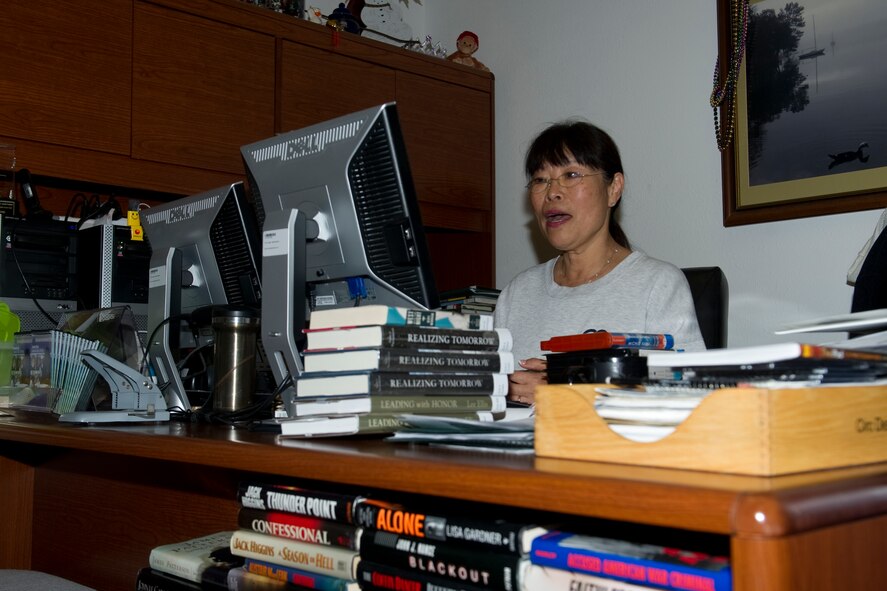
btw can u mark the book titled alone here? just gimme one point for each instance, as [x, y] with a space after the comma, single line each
[668, 568]
[406, 383]
[456, 530]
[415, 337]
[431, 360]
[376, 314]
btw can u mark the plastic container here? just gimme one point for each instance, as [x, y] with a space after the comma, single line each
[9, 325]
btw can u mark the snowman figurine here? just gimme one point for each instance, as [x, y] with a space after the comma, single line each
[382, 21]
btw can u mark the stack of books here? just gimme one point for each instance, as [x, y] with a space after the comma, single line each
[470, 299]
[365, 367]
[564, 561]
[300, 537]
[404, 547]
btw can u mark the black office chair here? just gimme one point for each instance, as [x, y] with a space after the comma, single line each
[708, 285]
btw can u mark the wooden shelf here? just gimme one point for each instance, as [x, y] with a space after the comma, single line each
[126, 489]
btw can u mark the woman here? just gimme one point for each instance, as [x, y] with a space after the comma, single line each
[597, 281]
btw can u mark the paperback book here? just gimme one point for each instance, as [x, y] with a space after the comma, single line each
[339, 425]
[325, 560]
[299, 527]
[408, 384]
[290, 499]
[409, 360]
[481, 406]
[397, 316]
[190, 559]
[668, 568]
[487, 570]
[415, 337]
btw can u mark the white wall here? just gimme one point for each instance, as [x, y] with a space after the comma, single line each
[642, 70]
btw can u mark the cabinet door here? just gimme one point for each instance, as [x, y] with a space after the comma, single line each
[317, 85]
[201, 89]
[448, 131]
[65, 73]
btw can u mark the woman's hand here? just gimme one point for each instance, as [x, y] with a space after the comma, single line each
[522, 384]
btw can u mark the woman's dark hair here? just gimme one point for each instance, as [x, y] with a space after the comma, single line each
[590, 146]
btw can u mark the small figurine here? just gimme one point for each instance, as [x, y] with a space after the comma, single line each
[467, 44]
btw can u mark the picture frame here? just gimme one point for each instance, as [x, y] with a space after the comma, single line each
[789, 185]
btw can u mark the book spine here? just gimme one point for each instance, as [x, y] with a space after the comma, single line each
[189, 559]
[299, 527]
[535, 576]
[241, 580]
[498, 536]
[324, 560]
[418, 384]
[373, 576]
[487, 570]
[151, 580]
[436, 404]
[295, 576]
[442, 338]
[290, 499]
[547, 551]
[406, 360]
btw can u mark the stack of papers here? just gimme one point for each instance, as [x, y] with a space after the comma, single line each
[514, 433]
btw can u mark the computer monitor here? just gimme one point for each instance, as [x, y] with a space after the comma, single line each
[341, 225]
[205, 252]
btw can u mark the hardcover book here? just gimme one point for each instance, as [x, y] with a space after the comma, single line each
[299, 527]
[378, 315]
[558, 579]
[325, 560]
[409, 384]
[487, 570]
[408, 360]
[381, 577]
[494, 534]
[415, 337]
[636, 563]
[299, 578]
[398, 404]
[290, 499]
[191, 558]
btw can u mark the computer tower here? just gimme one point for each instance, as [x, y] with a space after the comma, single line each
[113, 270]
[38, 270]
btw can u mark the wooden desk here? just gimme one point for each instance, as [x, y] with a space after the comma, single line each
[88, 503]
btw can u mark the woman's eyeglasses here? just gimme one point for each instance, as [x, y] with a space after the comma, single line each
[539, 185]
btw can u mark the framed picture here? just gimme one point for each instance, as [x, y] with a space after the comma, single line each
[811, 115]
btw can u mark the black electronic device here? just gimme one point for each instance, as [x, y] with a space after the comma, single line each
[597, 366]
[341, 225]
[38, 269]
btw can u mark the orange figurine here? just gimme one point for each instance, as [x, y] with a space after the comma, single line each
[466, 45]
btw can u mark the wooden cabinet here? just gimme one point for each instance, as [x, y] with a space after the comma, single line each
[159, 95]
[65, 74]
[89, 503]
[200, 89]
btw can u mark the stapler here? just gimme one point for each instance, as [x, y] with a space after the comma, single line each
[134, 397]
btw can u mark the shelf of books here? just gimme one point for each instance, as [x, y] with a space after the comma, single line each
[91, 503]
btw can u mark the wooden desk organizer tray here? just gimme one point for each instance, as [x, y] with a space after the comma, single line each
[752, 431]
